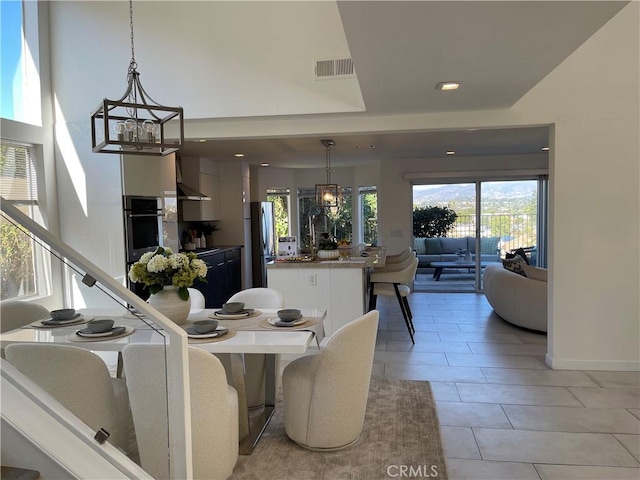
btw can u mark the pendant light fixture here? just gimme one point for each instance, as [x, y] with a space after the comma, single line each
[135, 123]
[328, 195]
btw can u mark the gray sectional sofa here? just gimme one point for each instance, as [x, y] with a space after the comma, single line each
[443, 249]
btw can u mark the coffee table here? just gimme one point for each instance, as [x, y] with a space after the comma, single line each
[440, 266]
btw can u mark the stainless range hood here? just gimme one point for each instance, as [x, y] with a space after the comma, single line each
[186, 192]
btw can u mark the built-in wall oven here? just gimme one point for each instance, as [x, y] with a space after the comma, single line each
[142, 230]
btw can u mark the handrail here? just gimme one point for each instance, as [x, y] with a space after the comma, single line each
[178, 361]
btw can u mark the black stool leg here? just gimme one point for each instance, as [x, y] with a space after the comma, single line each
[408, 309]
[404, 312]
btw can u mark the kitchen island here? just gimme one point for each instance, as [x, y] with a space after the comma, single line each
[341, 287]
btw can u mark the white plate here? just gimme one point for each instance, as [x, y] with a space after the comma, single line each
[231, 316]
[73, 319]
[277, 323]
[85, 332]
[219, 331]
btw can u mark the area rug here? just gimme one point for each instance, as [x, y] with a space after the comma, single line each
[401, 436]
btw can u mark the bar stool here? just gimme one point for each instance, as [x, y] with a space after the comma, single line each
[399, 258]
[394, 281]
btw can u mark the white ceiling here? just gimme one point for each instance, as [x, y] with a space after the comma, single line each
[401, 49]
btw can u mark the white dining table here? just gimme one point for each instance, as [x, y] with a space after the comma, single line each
[252, 337]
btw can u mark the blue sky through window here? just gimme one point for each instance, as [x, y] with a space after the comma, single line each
[11, 56]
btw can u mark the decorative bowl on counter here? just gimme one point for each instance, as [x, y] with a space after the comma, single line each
[328, 254]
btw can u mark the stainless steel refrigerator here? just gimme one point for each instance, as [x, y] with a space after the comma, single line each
[263, 240]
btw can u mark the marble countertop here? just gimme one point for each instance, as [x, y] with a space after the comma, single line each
[373, 257]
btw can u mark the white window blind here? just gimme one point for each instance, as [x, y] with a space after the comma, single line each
[18, 179]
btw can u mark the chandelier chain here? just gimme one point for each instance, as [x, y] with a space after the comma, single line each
[133, 63]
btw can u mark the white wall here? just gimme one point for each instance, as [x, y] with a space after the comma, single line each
[591, 100]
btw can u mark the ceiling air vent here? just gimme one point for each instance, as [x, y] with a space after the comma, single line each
[336, 68]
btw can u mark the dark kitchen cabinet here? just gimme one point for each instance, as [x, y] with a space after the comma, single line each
[224, 276]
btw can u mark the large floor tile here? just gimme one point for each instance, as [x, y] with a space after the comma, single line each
[422, 346]
[557, 378]
[571, 419]
[631, 443]
[479, 337]
[413, 357]
[579, 472]
[462, 414]
[516, 394]
[615, 379]
[552, 447]
[459, 469]
[530, 337]
[503, 361]
[444, 391]
[508, 348]
[434, 373]
[436, 327]
[377, 370]
[606, 397]
[459, 442]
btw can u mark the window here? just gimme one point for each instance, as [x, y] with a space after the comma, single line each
[368, 203]
[336, 221]
[20, 87]
[280, 198]
[21, 262]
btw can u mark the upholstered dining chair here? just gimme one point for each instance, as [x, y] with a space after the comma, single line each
[80, 381]
[325, 395]
[17, 313]
[395, 280]
[197, 299]
[258, 297]
[214, 411]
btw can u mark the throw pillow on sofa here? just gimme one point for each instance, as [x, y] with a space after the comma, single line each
[489, 245]
[515, 265]
[419, 246]
[535, 273]
[433, 246]
[519, 252]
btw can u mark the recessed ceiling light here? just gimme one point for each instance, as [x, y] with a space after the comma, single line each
[200, 141]
[365, 146]
[450, 152]
[238, 154]
[448, 85]
[545, 149]
[264, 164]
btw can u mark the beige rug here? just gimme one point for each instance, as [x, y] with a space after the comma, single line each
[401, 435]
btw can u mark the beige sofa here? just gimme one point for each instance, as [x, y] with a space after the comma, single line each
[519, 300]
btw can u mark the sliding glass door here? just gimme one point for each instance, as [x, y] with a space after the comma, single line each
[493, 219]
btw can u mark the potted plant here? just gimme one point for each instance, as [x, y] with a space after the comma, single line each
[327, 247]
[168, 276]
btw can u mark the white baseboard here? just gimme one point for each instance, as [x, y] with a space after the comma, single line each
[606, 365]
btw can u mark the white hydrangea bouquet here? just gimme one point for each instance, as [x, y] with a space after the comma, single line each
[163, 267]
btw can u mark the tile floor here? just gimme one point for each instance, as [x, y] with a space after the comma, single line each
[503, 413]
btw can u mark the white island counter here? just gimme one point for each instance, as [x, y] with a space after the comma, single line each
[341, 287]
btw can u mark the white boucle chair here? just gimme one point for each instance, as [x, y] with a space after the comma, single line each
[395, 281]
[80, 381]
[325, 395]
[17, 313]
[197, 299]
[214, 411]
[255, 362]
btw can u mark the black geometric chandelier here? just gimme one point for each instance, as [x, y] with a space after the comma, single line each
[134, 124]
[328, 195]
